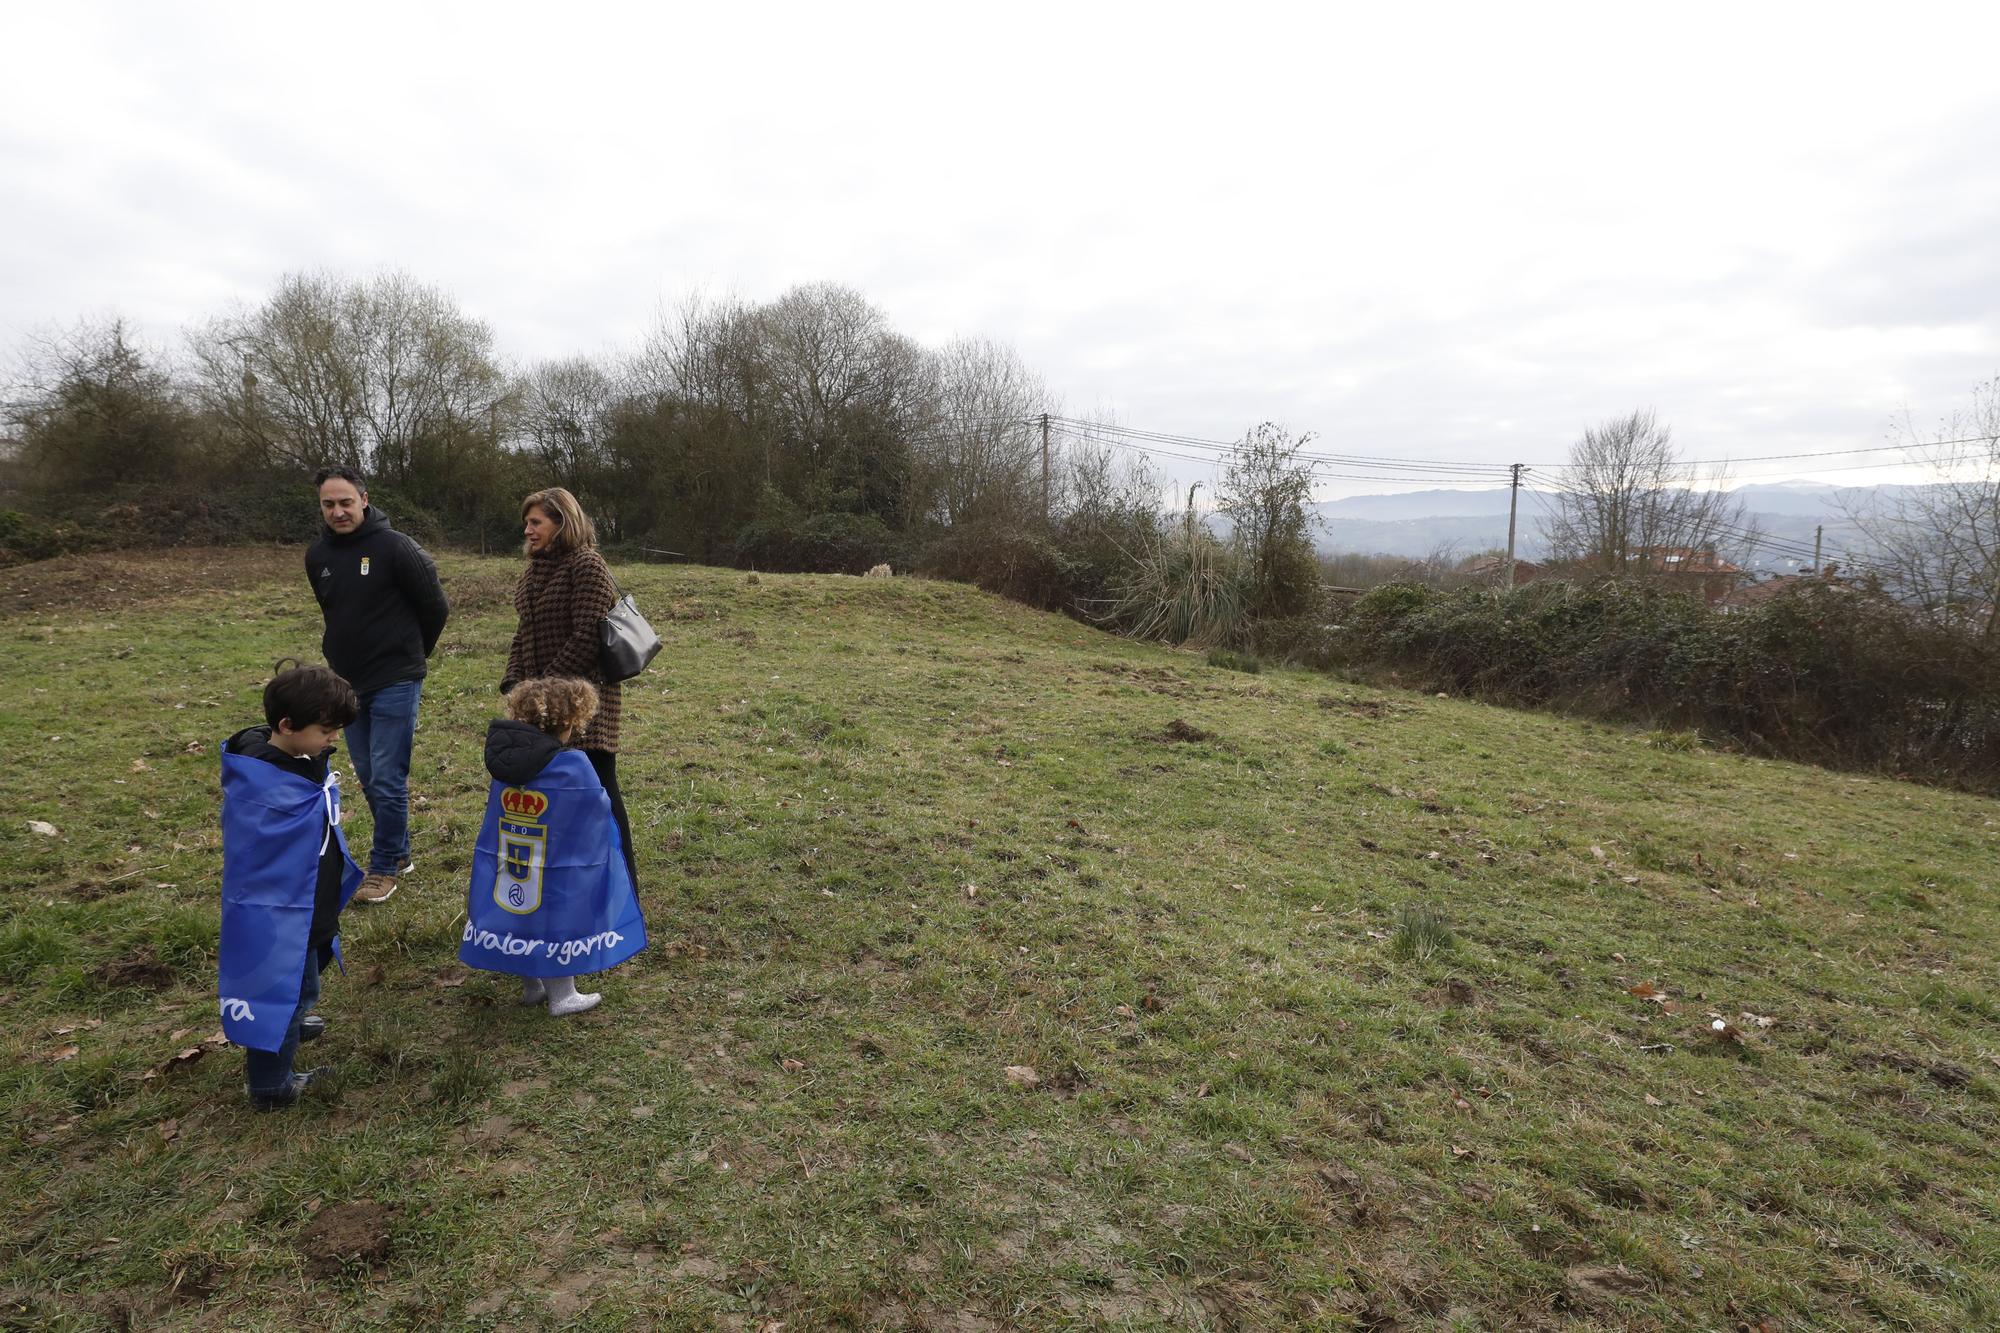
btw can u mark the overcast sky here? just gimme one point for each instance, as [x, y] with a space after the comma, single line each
[1457, 232]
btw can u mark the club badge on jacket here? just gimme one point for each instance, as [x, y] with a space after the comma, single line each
[364, 566]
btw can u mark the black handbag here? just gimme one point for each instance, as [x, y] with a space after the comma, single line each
[626, 643]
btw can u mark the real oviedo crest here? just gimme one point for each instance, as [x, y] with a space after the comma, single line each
[524, 846]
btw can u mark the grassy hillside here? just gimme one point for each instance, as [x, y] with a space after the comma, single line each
[1345, 1009]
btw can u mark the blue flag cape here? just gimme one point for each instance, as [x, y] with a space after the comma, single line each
[274, 828]
[550, 894]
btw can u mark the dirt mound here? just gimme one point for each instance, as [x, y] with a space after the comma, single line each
[1178, 730]
[109, 580]
[347, 1233]
[140, 968]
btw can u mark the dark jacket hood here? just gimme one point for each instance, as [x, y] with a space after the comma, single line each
[255, 743]
[373, 520]
[517, 752]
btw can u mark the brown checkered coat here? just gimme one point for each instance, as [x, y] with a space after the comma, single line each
[561, 599]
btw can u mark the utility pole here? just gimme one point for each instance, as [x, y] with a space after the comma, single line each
[1513, 505]
[1047, 510]
[1818, 528]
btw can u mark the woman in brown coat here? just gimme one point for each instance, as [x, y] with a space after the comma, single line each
[564, 593]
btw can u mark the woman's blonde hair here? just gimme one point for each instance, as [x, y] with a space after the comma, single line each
[562, 706]
[574, 530]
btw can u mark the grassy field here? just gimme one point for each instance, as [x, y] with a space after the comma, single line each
[1346, 1009]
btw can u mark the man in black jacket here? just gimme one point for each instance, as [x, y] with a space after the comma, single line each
[384, 609]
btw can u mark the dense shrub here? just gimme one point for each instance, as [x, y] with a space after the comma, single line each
[1024, 565]
[1098, 546]
[819, 544]
[1825, 674]
[24, 537]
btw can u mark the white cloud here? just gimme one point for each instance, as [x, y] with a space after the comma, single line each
[1442, 231]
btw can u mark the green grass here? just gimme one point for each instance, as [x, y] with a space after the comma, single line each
[897, 836]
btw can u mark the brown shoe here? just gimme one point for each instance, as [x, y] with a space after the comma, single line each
[376, 889]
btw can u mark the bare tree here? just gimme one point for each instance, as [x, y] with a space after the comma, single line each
[1265, 490]
[1098, 486]
[563, 413]
[1623, 507]
[91, 409]
[386, 375]
[979, 452]
[1938, 545]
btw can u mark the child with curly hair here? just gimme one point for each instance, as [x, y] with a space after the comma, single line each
[552, 897]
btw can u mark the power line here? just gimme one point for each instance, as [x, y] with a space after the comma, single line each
[1499, 469]
[1324, 471]
[1987, 440]
[1166, 437]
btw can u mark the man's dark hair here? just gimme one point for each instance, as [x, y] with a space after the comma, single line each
[346, 474]
[309, 696]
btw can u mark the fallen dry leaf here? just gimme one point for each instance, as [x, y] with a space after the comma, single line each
[1457, 1151]
[47, 830]
[1726, 1031]
[169, 1130]
[1645, 990]
[66, 1053]
[1238, 1151]
[1598, 852]
[141, 766]
[1651, 1100]
[1151, 1003]
[448, 982]
[1126, 1011]
[1023, 1076]
[791, 1066]
[1756, 1020]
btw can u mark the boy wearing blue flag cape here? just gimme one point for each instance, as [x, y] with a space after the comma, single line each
[551, 897]
[285, 876]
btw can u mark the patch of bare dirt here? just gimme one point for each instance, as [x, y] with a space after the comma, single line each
[113, 580]
[570, 1293]
[1178, 731]
[346, 1234]
[139, 968]
[1594, 1285]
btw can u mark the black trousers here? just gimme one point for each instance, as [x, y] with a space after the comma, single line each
[605, 762]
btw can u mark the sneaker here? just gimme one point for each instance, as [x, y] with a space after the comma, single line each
[311, 1028]
[285, 1100]
[376, 889]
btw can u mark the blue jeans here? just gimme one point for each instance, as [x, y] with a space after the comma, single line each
[269, 1073]
[378, 740]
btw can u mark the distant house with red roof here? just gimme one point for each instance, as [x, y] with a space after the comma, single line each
[1692, 568]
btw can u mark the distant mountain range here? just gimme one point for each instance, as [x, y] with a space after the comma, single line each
[1419, 523]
